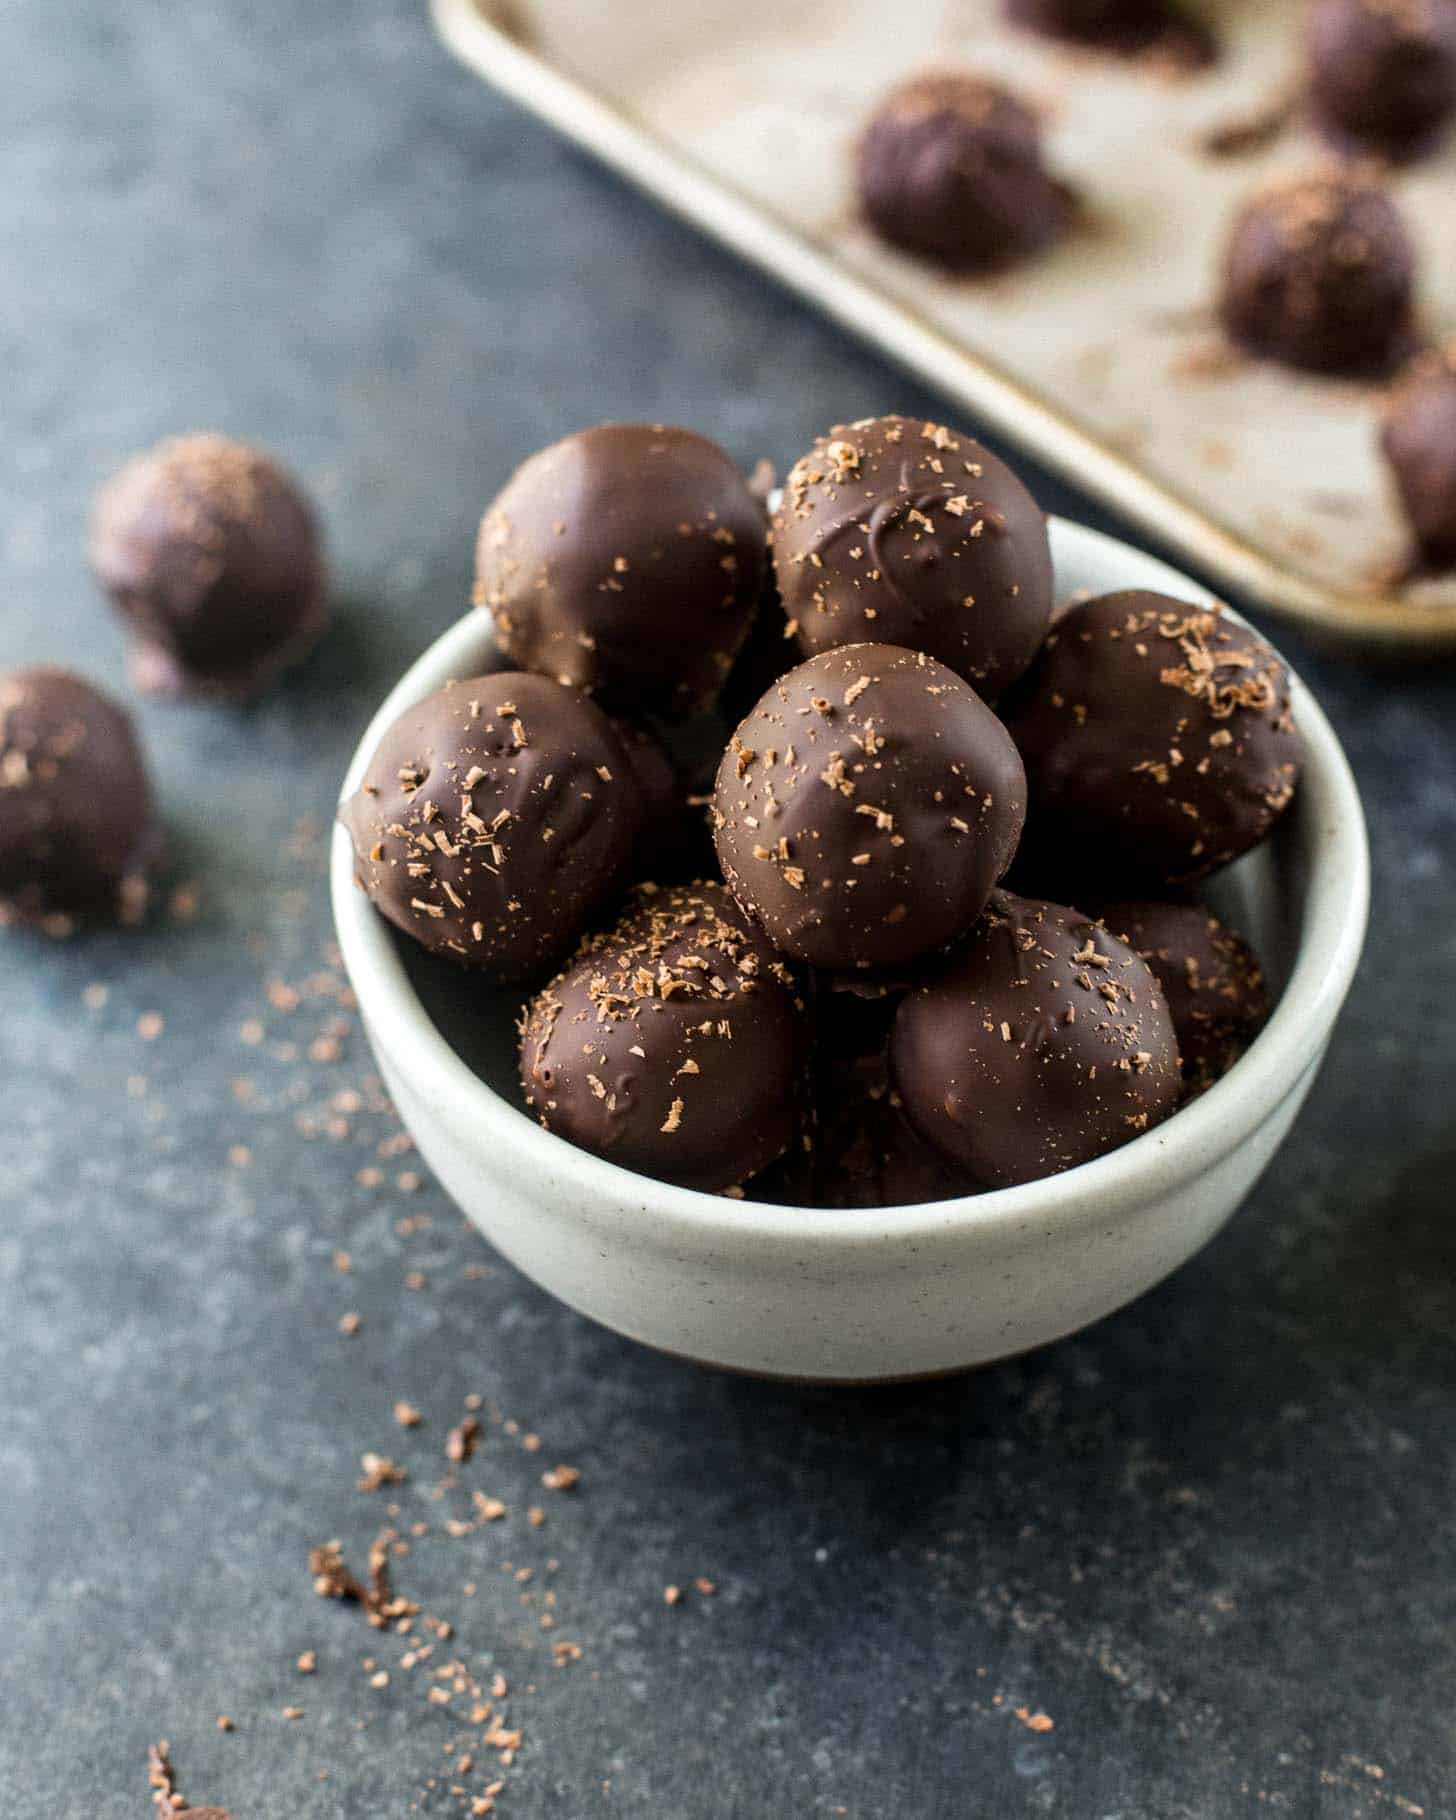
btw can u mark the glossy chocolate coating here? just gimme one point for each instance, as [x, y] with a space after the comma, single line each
[1419, 440]
[950, 168]
[495, 818]
[1382, 72]
[866, 806]
[626, 560]
[78, 828]
[1158, 740]
[1043, 1043]
[1320, 274]
[673, 1044]
[1128, 28]
[902, 532]
[212, 554]
[864, 1151]
[1213, 985]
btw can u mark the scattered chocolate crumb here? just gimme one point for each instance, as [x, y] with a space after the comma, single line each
[460, 1443]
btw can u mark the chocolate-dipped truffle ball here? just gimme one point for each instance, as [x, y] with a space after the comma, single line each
[212, 554]
[950, 168]
[78, 831]
[865, 1152]
[1320, 274]
[1213, 985]
[494, 818]
[1419, 440]
[626, 560]
[907, 533]
[1158, 740]
[1128, 28]
[674, 843]
[1044, 1043]
[673, 1044]
[1382, 72]
[866, 807]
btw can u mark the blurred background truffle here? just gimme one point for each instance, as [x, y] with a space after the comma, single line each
[78, 830]
[1319, 273]
[1129, 28]
[1382, 73]
[212, 554]
[1419, 439]
[950, 168]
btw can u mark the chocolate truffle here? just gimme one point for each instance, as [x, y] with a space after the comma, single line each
[626, 560]
[78, 831]
[674, 844]
[1158, 740]
[950, 168]
[1319, 274]
[673, 1044]
[866, 806]
[1044, 1043]
[1128, 28]
[864, 1150]
[494, 819]
[1419, 440]
[1382, 72]
[908, 533]
[1213, 984]
[212, 555]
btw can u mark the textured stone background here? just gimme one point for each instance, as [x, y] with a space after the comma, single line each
[1211, 1538]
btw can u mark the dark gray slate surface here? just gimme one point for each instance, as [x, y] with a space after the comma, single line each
[1212, 1538]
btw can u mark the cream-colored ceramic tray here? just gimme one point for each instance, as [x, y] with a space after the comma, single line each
[1103, 359]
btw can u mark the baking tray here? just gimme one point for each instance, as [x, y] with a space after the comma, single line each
[1102, 359]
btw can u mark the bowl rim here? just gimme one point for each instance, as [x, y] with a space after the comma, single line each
[1193, 1139]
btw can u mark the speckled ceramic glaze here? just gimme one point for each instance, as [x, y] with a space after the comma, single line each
[896, 1292]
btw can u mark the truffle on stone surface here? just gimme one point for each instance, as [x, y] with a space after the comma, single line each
[1210, 978]
[1419, 440]
[673, 1044]
[1319, 273]
[1129, 28]
[626, 560]
[78, 828]
[1158, 740]
[1382, 73]
[1044, 1042]
[865, 808]
[212, 554]
[494, 819]
[950, 168]
[908, 533]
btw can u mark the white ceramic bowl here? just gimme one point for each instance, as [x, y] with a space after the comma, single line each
[896, 1292]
